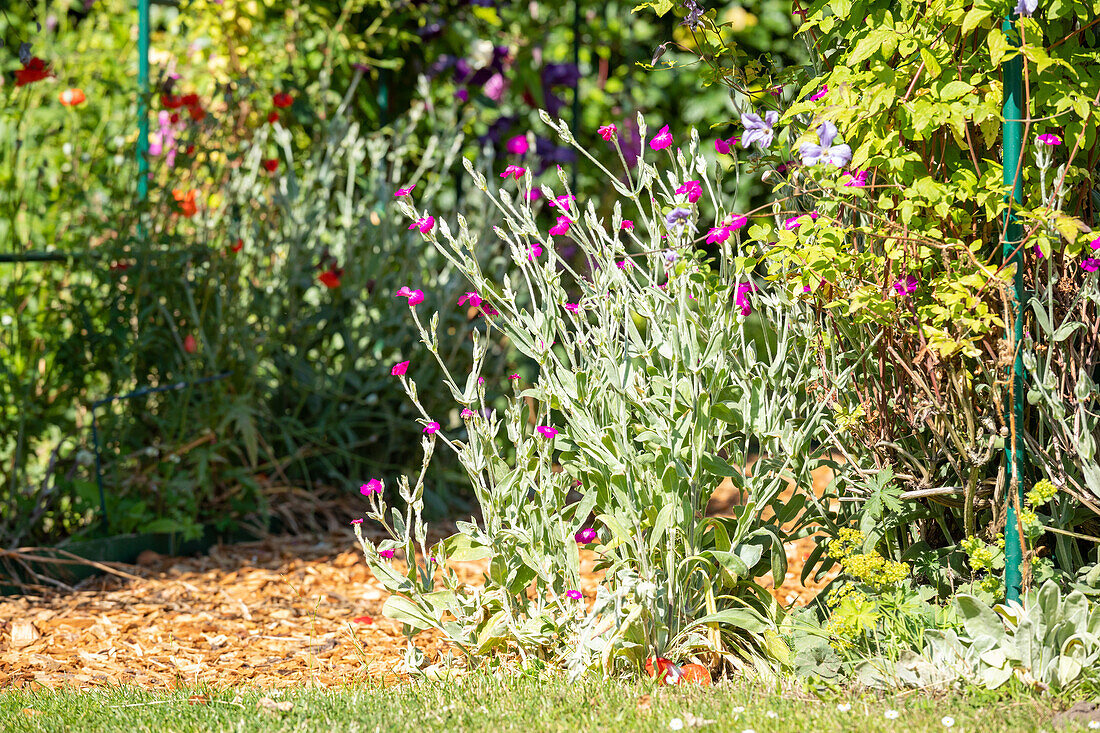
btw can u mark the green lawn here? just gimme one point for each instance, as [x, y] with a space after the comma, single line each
[483, 703]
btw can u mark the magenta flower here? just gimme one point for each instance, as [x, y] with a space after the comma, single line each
[546, 431]
[1050, 140]
[662, 140]
[357, 521]
[424, 224]
[513, 376]
[1090, 264]
[562, 227]
[573, 307]
[624, 264]
[404, 191]
[626, 225]
[721, 147]
[607, 132]
[535, 251]
[432, 427]
[821, 93]
[737, 221]
[906, 285]
[374, 486]
[400, 369]
[585, 536]
[386, 554]
[794, 222]
[1095, 244]
[718, 234]
[467, 413]
[742, 297]
[692, 189]
[472, 298]
[513, 170]
[416, 297]
[858, 179]
[563, 201]
[573, 595]
[518, 145]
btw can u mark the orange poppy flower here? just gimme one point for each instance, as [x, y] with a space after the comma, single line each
[72, 97]
[185, 200]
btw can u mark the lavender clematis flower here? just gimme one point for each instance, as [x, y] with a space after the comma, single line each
[1026, 7]
[758, 131]
[824, 151]
[678, 216]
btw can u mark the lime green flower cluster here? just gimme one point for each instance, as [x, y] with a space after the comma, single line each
[853, 615]
[847, 541]
[873, 569]
[1041, 493]
[985, 560]
[979, 554]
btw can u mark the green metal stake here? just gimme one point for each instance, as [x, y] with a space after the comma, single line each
[1012, 134]
[143, 101]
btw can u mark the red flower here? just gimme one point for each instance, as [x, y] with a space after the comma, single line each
[197, 113]
[120, 267]
[330, 278]
[190, 100]
[271, 164]
[171, 101]
[190, 345]
[174, 117]
[185, 200]
[71, 97]
[32, 71]
[190, 150]
[282, 100]
[235, 248]
[273, 117]
[363, 620]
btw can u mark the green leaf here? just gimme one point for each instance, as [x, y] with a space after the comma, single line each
[403, 610]
[973, 19]
[741, 618]
[978, 618]
[930, 63]
[462, 548]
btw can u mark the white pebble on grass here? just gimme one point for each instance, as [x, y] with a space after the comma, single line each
[891, 714]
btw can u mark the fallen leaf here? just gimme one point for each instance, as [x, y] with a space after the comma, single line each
[282, 706]
[645, 702]
[198, 700]
[31, 712]
[23, 633]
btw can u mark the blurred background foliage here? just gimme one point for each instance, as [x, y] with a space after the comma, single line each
[267, 253]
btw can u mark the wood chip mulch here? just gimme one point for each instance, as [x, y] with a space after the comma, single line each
[277, 613]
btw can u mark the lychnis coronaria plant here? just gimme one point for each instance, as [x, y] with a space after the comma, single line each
[660, 369]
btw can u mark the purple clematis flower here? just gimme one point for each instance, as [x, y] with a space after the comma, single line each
[758, 131]
[1026, 7]
[825, 152]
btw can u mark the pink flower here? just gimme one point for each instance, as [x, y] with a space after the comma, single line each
[386, 554]
[513, 170]
[624, 264]
[432, 427]
[533, 194]
[374, 486]
[546, 431]
[400, 369]
[1095, 244]
[416, 297]
[718, 234]
[742, 298]
[721, 147]
[1091, 264]
[737, 221]
[823, 91]
[467, 413]
[662, 140]
[693, 190]
[906, 285]
[858, 179]
[626, 225]
[535, 251]
[517, 145]
[573, 307]
[794, 223]
[585, 536]
[357, 521]
[513, 376]
[573, 595]
[472, 298]
[563, 201]
[1050, 140]
[424, 224]
[404, 191]
[607, 132]
[562, 227]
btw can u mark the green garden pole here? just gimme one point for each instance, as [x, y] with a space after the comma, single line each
[143, 101]
[1012, 134]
